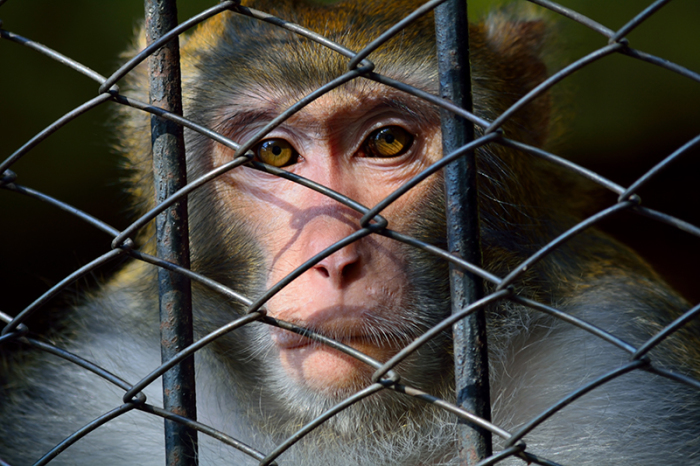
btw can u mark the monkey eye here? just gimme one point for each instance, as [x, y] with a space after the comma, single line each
[390, 141]
[276, 152]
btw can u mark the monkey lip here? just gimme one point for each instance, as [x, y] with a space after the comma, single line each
[287, 340]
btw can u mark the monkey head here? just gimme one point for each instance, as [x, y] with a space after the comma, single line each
[364, 140]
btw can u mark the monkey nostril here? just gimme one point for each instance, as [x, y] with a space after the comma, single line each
[323, 271]
[350, 269]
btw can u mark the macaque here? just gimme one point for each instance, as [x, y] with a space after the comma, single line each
[249, 229]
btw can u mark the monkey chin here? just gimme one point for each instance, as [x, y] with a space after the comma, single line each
[329, 371]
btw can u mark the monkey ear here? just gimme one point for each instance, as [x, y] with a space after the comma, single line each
[516, 36]
[508, 49]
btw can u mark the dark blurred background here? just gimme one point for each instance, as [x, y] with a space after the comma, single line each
[621, 115]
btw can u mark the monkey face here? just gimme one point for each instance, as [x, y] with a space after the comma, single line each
[364, 147]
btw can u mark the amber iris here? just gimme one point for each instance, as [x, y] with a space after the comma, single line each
[276, 152]
[390, 141]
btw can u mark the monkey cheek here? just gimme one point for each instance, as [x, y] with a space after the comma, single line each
[326, 370]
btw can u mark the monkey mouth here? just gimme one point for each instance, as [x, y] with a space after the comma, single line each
[377, 345]
[326, 369]
[287, 340]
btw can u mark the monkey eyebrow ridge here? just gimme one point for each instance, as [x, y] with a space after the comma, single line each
[242, 116]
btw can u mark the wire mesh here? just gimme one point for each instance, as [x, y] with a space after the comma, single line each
[16, 335]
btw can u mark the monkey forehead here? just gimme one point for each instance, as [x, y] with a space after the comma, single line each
[249, 51]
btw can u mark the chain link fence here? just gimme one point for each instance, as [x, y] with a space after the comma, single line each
[18, 336]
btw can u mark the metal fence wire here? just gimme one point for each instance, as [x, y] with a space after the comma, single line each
[464, 132]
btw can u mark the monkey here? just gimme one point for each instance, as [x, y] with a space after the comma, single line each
[250, 229]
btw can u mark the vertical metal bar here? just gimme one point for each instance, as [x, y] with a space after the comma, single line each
[172, 234]
[470, 351]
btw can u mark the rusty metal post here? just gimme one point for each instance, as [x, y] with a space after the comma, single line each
[172, 234]
[470, 351]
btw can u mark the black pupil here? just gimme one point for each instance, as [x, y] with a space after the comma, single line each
[277, 150]
[389, 138]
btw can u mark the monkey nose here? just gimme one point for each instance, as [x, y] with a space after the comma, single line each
[341, 267]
